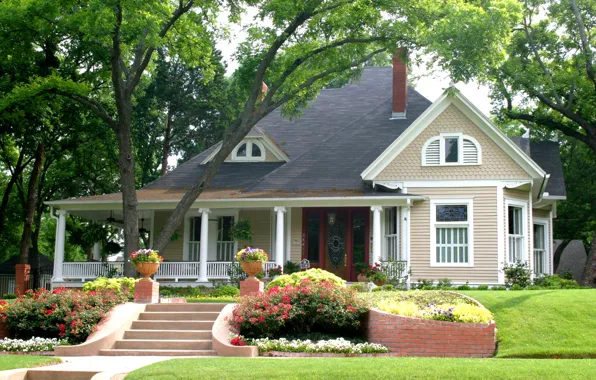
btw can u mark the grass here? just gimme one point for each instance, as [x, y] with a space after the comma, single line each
[543, 323]
[212, 300]
[366, 368]
[24, 361]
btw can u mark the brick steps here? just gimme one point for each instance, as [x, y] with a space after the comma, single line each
[169, 330]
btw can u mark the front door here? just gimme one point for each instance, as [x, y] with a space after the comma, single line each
[336, 242]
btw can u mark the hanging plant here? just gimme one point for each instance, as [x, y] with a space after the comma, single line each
[242, 231]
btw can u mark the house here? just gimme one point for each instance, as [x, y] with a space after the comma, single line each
[371, 172]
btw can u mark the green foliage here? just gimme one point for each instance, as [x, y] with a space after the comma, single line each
[242, 230]
[555, 282]
[518, 274]
[291, 267]
[444, 283]
[9, 296]
[497, 288]
[482, 287]
[361, 287]
[236, 274]
[405, 308]
[464, 287]
[471, 314]
[119, 285]
[422, 283]
[315, 275]
[227, 291]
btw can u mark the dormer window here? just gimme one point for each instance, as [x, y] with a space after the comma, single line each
[451, 149]
[249, 151]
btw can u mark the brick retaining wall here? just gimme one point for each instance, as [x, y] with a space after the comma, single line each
[406, 336]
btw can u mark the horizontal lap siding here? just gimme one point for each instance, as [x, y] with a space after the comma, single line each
[261, 227]
[485, 236]
[173, 252]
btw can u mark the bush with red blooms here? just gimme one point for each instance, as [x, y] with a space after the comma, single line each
[63, 313]
[238, 340]
[309, 307]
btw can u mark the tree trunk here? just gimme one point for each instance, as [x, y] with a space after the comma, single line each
[13, 179]
[589, 276]
[30, 206]
[166, 144]
[126, 164]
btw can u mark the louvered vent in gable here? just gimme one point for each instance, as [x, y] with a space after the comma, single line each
[470, 151]
[432, 154]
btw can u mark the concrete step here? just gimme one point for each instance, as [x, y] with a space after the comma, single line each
[179, 316]
[168, 334]
[172, 325]
[129, 344]
[159, 307]
[136, 352]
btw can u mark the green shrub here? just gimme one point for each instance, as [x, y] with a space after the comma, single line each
[388, 288]
[9, 296]
[419, 297]
[555, 282]
[498, 288]
[118, 285]
[464, 287]
[315, 275]
[444, 283]
[516, 287]
[471, 314]
[308, 307]
[517, 274]
[361, 287]
[291, 267]
[227, 291]
[377, 289]
[567, 275]
[482, 287]
[429, 288]
[422, 283]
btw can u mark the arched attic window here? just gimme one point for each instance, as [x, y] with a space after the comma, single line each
[249, 151]
[451, 149]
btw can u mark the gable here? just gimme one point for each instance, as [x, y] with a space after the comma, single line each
[495, 163]
[269, 156]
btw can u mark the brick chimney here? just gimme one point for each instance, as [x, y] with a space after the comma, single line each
[400, 84]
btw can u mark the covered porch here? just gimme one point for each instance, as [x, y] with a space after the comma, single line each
[337, 235]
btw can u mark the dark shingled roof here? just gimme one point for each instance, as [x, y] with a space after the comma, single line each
[546, 155]
[340, 133]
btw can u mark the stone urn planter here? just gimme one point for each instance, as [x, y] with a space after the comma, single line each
[147, 269]
[252, 268]
[380, 282]
[362, 278]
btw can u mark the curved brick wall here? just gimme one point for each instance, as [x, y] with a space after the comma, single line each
[406, 336]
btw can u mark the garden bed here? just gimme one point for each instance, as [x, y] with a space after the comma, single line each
[281, 354]
[31, 353]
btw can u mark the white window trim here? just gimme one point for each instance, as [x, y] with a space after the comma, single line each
[547, 254]
[249, 157]
[460, 149]
[469, 225]
[524, 207]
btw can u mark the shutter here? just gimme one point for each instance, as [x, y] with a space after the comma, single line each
[470, 152]
[432, 156]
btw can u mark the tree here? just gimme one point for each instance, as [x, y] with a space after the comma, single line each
[548, 79]
[296, 48]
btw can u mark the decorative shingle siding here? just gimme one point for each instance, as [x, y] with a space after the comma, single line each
[496, 164]
[484, 270]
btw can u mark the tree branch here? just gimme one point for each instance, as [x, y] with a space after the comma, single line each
[586, 49]
[549, 123]
[115, 58]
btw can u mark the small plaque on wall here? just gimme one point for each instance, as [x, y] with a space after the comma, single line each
[304, 264]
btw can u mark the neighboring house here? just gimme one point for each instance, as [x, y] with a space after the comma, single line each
[371, 172]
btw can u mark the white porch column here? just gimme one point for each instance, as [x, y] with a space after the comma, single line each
[376, 251]
[96, 251]
[59, 251]
[204, 244]
[279, 236]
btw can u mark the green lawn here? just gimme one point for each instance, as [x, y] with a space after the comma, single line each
[543, 323]
[366, 368]
[23, 361]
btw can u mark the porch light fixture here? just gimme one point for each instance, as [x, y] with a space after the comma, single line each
[331, 217]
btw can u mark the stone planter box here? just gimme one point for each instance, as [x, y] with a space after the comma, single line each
[406, 336]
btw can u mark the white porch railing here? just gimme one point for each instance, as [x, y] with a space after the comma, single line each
[224, 252]
[216, 270]
[89, 271]
[391, 247]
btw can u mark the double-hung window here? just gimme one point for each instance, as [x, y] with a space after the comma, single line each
[540, 248]
[516, 231]
[452, 232]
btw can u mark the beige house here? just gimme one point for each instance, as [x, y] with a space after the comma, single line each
[371, 172]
